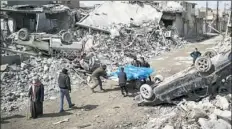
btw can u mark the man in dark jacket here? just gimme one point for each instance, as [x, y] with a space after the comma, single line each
[122, 79]
[65, 88]
[146, 65]
[95, 77]
[195, 54]
[135, 62]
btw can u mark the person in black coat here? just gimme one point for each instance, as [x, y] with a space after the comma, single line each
[195, 54]
[122, 79]
[36, 94]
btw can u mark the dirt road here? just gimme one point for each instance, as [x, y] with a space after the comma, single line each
[107, 110]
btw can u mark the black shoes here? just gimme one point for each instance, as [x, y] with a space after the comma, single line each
[72, 105]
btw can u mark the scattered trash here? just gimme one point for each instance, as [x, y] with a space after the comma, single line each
[65, 120]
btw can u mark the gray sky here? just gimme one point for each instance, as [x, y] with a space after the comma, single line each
[211, 4]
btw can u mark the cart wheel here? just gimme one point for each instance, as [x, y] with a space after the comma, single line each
[203, 64]
[210, 53]
[138, 83]
[146, 91]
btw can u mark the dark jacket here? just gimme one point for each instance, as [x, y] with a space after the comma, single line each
[99, 72]
[122, 78]
[136, 63]
[145, 64]
[64, 81]
[195, 54]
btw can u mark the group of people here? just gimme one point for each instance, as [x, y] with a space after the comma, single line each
[141, 63]
[36, 91]
[36, 94]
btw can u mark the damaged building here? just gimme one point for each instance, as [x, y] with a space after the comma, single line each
[182, 17]
[47, 18]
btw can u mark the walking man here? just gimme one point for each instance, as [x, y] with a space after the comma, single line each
[95, 77]
[36, 94]
[122, 82]
[145, 64]
[65, 88]
[195, 54]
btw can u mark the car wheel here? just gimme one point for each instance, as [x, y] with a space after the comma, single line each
[203, 64]
[210, 53]
[66, 37]
[61, 32]
[23, 34]
[146, 91]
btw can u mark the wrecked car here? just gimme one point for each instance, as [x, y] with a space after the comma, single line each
[44, 28]
[209, 76]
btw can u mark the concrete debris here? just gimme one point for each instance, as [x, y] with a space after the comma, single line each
[213, 124]
[168, 127]
[196, 115]
[118, 12]
[221, 102]
[17, 79]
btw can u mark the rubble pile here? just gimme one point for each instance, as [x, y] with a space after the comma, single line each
[205, 114]
[16, 80]
[144, 41]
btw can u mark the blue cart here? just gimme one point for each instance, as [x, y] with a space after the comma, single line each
[135, 75]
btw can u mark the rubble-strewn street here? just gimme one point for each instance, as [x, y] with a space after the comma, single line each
[190, 64]
[113, 111]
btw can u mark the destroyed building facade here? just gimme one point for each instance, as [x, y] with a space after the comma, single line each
[45, 18]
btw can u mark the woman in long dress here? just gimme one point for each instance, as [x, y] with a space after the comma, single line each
[36, 94]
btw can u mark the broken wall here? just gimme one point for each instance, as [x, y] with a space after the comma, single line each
[23, 20]
[177, 21]
[47, 22]
[178, 24]
[199, 26]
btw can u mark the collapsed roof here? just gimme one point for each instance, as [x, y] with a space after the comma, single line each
[50, 8]
[120, 12]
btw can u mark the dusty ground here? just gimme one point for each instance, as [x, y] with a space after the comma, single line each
[106, 110]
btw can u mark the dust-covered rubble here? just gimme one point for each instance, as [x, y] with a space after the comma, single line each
[16, 80]
[205, 114]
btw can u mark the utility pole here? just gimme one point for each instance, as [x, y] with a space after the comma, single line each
[217, 20]
[206, 14]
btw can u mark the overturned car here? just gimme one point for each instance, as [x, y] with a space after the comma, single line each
[208, 77]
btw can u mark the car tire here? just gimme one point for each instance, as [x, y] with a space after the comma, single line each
[61, 32]
[66, 37]
[210, 53]
[146, 91]
[203, 64]
[23, 34]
